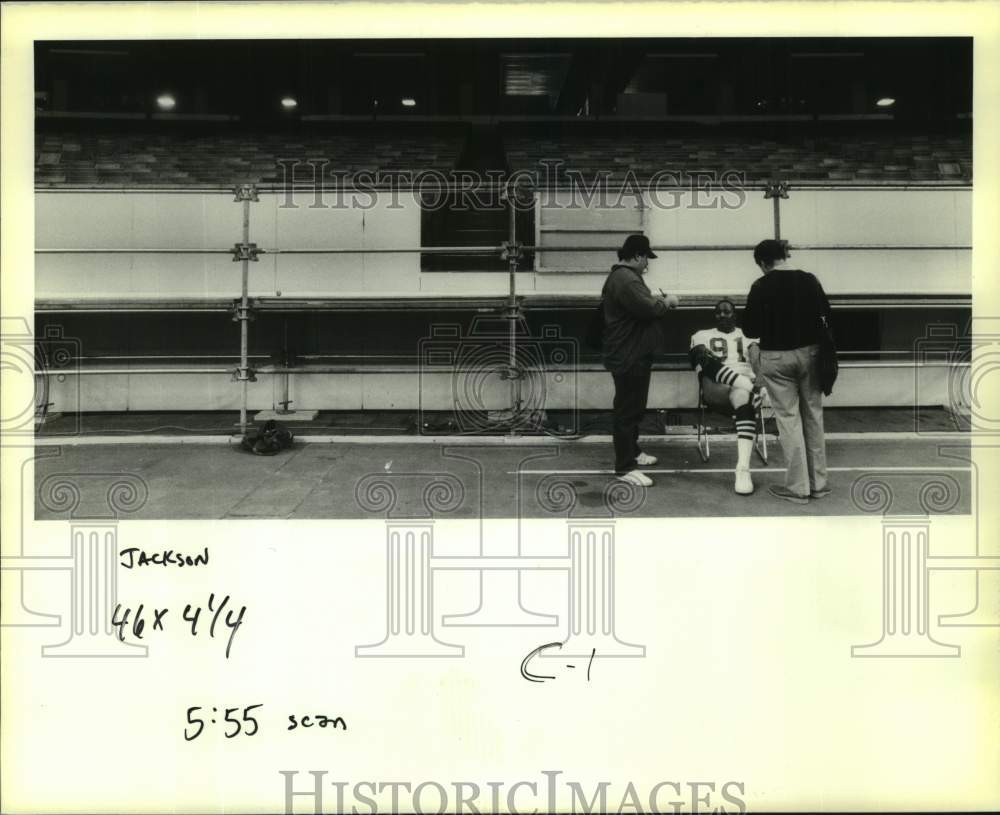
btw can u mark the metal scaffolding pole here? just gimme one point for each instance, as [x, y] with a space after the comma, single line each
[245, 252]
[776, 190]
[244, 328]
[513, 315]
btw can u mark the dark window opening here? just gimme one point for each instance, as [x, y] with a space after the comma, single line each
[458, 220]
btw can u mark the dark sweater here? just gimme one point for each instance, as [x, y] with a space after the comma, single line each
[632, 332]
[784, 309]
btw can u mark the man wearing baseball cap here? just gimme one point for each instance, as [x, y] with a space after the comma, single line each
[631, 336]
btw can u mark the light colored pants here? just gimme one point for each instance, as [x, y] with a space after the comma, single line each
[792, 380]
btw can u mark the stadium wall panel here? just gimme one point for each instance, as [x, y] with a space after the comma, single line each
[592, 390]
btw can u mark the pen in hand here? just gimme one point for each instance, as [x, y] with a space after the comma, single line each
[671, 299]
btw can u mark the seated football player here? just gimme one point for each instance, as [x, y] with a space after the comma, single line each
[721, 356]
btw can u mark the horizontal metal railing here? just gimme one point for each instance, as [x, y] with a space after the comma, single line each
[556, 186]
[681, 366]
[497, 250]
[508, 307]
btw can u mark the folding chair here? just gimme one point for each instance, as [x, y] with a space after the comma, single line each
[763, 411]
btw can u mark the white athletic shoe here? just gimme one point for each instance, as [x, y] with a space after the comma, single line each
[636, 479]
[645, 460]
[744, 483]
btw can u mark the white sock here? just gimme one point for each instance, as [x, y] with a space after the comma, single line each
[744, 447]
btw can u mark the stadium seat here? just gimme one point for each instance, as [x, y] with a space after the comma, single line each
[763, 412]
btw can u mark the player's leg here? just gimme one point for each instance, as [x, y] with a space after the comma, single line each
[746, 424]
[716, 396]
[723, 399]
[723, 374]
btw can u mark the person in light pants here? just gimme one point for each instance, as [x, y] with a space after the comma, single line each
[785, 308]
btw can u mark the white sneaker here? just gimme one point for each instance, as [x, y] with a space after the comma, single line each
[637, 479]
[744, 483]
[645, 460]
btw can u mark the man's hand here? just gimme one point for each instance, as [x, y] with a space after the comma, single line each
[672, 300]
[753, 354]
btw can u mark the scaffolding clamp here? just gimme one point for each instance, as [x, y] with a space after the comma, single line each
[509, 373]
[776, 189]
[245, 192]
[511, 250]
[513, 311]
[241, 312]
[245, 375]
[245, 251]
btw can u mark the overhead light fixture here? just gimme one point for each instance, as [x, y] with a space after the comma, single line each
[408, 102]
[886, 102]
[166, 101]
[289, 103]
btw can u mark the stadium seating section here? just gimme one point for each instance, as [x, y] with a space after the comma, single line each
[188, 159]
[191, 160]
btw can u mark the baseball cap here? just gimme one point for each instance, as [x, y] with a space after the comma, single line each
[634, 246]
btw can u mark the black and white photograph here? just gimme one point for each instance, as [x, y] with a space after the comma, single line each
[265, 267]
[438, 407]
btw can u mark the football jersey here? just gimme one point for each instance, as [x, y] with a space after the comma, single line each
[730, 349]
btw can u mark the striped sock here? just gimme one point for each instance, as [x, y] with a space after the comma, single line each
[744, 443]
[728, 377]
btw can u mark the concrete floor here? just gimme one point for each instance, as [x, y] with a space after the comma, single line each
[403, 422]
[334, 480]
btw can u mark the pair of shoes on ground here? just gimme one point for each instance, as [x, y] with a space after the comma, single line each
[788, 495]
[743, 486]
[636, 478]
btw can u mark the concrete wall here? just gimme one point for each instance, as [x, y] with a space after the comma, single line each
[587, 390]
[210, 221]
[214, 221]
[82, 220]
[808, 217]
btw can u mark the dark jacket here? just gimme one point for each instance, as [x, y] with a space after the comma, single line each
[783, 309]
[632, 332]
